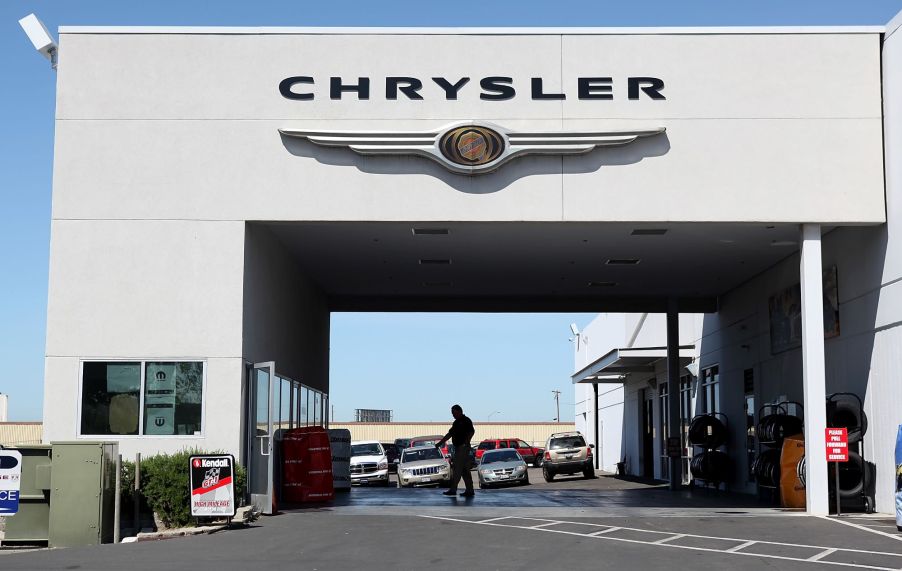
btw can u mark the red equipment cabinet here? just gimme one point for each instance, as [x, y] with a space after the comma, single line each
[306, 465]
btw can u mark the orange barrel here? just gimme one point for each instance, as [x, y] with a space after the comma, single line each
[792, 490]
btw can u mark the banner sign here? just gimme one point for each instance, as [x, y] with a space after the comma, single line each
[212, 485]
[837, 445]
[10, 479]
[159, 399]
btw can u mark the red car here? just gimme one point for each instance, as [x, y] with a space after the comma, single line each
[530, 454]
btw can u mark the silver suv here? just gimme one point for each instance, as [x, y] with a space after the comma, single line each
[567, 453]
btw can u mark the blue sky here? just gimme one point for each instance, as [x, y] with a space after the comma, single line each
[489, 362]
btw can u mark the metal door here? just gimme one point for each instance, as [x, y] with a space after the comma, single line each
[263, 384]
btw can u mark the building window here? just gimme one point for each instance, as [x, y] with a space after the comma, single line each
[711, 390]
[152, 398]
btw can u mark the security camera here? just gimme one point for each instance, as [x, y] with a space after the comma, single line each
[574, 329]
[40, 37]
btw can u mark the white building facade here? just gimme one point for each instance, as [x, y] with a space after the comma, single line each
[751, 347]
[219, 192]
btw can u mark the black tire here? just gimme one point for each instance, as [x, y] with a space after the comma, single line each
[526, 481]
[589, 473]
[707, 431]
[852, 476]
[540, 461]
[548, 474]
[845, 414]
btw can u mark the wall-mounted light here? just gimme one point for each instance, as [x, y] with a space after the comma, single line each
[40, 38]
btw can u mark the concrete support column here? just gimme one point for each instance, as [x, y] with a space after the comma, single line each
[673, 388]
[813, 370]
[595, 417]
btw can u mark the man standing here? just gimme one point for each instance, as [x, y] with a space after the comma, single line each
[461, 433]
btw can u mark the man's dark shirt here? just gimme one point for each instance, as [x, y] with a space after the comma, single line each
[461, 431]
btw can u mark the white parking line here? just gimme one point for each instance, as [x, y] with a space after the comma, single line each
[821, 555]
[869, 529]
[740, 546]
[666, 539]
[542, 525]
[736, 550]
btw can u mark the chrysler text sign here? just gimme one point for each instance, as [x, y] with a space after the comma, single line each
[493, 88]
[212, 485]
[10, 480]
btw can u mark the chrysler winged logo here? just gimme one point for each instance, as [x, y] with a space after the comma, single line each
[470, 147]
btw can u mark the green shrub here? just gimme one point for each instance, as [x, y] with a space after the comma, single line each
[165, 485]
[127, 481]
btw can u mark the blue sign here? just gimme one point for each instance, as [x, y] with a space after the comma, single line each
[10, 479]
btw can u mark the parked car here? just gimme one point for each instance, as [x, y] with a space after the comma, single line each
[567, 453]
[423, 466]
[368, 463]
[393, 454]
[531, 454]
[472, 457]
[402, 443]
[501, 467]
[430, 440]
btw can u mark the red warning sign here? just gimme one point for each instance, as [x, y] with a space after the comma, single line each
[837, 445]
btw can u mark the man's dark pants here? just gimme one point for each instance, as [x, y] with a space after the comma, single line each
[461, 468]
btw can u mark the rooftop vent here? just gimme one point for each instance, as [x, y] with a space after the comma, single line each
[622, 261]
[649, 231]
[602, 284]
[430, 231]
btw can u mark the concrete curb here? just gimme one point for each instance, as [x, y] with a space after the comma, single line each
[180, 532]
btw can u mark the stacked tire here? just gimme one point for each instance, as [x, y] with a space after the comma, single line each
[711, 465]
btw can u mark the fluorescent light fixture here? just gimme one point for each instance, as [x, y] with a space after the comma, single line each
[435, 261]
[40, 37]
[430, 231]
[574, 329]
[649, 232]
[622, 261]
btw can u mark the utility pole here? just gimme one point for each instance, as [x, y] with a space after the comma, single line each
[557, 404]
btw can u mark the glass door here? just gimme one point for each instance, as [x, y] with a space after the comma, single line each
[260, 473]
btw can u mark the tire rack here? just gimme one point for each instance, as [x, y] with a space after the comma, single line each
[709, 482]
[780, 407]
[861, 500]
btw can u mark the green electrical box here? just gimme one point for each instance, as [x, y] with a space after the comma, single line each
[82, 493]
[31, 524]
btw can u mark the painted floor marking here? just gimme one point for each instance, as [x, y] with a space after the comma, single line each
[740, 546]
[867, 528]
[491, 520]
[603, 534]
[543, 525]
[822, 554]
[671, 538]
